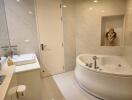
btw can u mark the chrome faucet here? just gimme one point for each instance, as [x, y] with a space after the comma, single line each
[95, 62]
[10, 50]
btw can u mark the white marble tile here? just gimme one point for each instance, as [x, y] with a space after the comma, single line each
[68, 14]
[128, 32]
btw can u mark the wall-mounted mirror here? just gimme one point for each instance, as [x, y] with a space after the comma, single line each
[18, 29]
[21, 21]
[4, 36]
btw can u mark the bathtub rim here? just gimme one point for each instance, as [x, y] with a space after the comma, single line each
[78, 61]
[83, 88]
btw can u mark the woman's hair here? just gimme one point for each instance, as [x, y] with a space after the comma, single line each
[113, 32]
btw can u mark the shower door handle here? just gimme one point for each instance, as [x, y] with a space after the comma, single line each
[42, 46]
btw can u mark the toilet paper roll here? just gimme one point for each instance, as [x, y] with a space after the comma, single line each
[21, 91]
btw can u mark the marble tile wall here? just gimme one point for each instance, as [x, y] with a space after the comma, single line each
[128, 33]
[88, 25]
[68, 14]
[82, 27]
[22, 25]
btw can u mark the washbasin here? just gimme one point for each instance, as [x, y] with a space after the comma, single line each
[23, 59]
[2, 77]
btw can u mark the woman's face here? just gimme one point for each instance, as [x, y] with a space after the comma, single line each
[111, 33]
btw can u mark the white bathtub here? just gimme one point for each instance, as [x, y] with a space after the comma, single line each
[111, 81]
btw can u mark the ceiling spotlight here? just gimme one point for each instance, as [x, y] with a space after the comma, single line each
[90, 8]
[64, 6]
[18, 0]
[95, 1]
[30, 12]
[27, 41]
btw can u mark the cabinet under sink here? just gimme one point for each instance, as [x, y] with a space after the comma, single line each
[2, 77]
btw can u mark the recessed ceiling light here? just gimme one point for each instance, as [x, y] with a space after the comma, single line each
[90, 8]
[64, 6]
[27, 41]
[30, 12]
[18, 0]
[95, 1]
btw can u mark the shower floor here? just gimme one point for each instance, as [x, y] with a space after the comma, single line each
[69, 88]
[63, 87]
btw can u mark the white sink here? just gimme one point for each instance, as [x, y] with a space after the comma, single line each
[23, 59]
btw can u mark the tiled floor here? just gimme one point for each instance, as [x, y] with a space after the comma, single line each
[50, 90]
[63, 87]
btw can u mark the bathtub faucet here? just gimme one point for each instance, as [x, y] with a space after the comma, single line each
[95, 62]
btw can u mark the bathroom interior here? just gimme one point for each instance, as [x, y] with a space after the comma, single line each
[65, 50]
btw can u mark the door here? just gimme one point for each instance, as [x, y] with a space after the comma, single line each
[50, 36]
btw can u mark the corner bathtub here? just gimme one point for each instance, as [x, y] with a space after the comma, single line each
[111, 81]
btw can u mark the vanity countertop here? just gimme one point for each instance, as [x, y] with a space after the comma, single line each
[8, 71]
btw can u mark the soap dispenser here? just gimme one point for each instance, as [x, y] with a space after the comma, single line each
[10, 61]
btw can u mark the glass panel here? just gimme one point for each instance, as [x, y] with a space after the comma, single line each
[21, 20]
[4, 37]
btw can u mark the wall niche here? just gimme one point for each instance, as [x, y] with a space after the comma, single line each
[112, 30]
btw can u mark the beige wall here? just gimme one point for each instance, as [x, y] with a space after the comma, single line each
[88, 25]
[128, 32]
